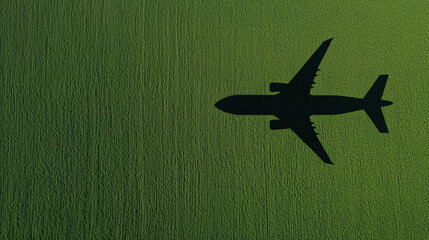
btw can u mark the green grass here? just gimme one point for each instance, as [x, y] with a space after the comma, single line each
[109, 128]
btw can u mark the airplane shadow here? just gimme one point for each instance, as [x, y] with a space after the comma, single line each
[293, 104]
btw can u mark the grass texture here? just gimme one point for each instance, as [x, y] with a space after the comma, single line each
[109, 130]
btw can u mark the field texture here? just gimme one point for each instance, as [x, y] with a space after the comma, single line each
[109, 130]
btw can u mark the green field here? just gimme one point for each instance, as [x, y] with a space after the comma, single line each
[109, 130]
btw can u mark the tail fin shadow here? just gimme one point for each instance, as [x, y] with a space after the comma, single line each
[373, 103]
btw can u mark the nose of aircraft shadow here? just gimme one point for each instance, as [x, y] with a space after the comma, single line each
[220, 105]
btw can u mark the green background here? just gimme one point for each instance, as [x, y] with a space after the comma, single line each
[109, 130]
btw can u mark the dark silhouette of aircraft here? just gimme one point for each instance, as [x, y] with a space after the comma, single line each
[294, 105]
